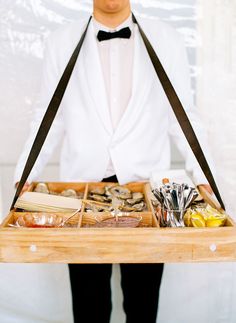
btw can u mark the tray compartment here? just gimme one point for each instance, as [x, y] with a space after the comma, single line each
[73, 222]
[228, 223]
[58, 187]
[148, 215]
[89, 219]
[133, 187]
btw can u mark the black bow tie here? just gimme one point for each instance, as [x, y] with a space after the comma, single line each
[123, 33]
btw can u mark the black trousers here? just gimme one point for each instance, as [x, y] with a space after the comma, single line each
[91, 291]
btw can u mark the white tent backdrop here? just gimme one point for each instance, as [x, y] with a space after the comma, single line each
[190, 293]
[216, 95]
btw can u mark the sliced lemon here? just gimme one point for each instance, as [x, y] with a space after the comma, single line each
[215, 222]
[198, 220]
[187, 218]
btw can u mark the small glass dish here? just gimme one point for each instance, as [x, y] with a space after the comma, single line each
[39, 220]
[121, 221]
[172, 218]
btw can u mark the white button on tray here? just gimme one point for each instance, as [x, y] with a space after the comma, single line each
[33, 248]
[213, 247]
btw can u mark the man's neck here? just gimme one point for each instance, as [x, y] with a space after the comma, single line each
[111, 20]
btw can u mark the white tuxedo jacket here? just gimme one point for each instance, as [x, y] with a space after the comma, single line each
[141, 143]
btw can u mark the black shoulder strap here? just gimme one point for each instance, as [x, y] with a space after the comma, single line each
[49, 116]
[170, 93]
[180, 114]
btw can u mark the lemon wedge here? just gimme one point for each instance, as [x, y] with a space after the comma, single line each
[204, 217]
[198, 220]
[215, 222]
[187, 218]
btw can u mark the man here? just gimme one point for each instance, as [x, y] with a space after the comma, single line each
[116, 121]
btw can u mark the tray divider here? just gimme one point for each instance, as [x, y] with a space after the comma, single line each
[155, 221]
[81, 213]
[80, 220]
[149, 196]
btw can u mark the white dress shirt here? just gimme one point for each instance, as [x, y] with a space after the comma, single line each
[116, 56]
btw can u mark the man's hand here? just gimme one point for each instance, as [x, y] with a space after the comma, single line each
[206, 187]
[25, 187]
[207, 194]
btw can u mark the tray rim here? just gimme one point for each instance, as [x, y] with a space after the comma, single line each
[116, 245]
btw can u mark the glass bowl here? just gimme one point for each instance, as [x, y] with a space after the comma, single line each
[39, 220]
[122, 221]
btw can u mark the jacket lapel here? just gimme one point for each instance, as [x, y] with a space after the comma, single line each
[143, 76]
[95, 80]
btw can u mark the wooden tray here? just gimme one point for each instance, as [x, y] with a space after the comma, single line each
[147, 243]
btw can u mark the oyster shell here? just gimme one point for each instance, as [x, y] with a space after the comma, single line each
[137, 197]
[139, 206]
[69, 193]
[41, 188]
[121, 192]
[98, 198]
[133, 208]
[98, 191]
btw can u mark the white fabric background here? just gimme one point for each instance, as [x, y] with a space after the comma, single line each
[190, 292]
[216, 95]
